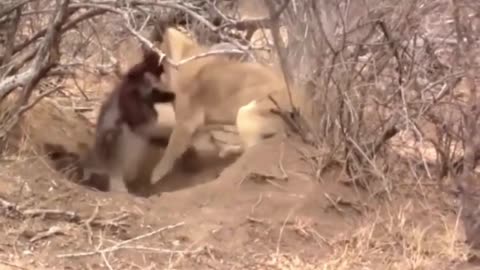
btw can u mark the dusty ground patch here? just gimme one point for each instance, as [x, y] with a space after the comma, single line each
[246, 215]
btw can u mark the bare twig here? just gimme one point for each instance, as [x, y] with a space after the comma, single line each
[11, 36]
[280, 235]
[202, 55]
[46, 58]
[69, 216]
[68, 26]
[252, 24]
[89, 221]
[27, 107]
[467, 182]
[48, 54]
[121, 244]
[12, 265]
[275, 27]
[14, 7]
[10, 83]
[51, 231]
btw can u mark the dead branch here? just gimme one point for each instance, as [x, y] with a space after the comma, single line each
[393, 47]
[13, 7]
[48, 53]
[30, 105]
[145, 41]
[275, 27]
[468, 185]
[12, 265]
[36, 36]
[121, 244]
[13, 82]
[46, 58]
[68, 26]
[223, 22]
[54, 230]
[163, 57]
[471, 118]
[11, 35]
[292, 118]
[253, 24]
[15, 210]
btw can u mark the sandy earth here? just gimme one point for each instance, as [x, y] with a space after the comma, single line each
[226, 216]
[268, 209]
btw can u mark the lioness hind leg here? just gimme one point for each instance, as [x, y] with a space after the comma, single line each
[254, 123]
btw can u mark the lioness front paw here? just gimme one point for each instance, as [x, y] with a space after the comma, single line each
[159, 173]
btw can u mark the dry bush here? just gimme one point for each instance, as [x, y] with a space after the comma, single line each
[384, 72]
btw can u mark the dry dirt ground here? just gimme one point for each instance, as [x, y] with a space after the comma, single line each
[269, 209]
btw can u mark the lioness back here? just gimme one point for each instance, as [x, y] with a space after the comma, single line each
[223, 86]
[217, 83]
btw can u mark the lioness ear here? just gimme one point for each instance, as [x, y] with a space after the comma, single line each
[178, 45]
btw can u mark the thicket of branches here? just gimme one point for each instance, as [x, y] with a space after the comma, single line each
[374, 68]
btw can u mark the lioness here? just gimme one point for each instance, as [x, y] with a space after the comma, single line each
[217, 89]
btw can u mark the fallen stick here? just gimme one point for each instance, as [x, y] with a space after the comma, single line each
[121, 244]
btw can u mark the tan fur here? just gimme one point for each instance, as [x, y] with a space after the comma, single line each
[219, 90]
[226, 46]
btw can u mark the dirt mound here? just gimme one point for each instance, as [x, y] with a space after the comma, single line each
[251, 208]
[45, 123]
[268, 209]
[263, 211]
[226, 208]
[269, 186]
